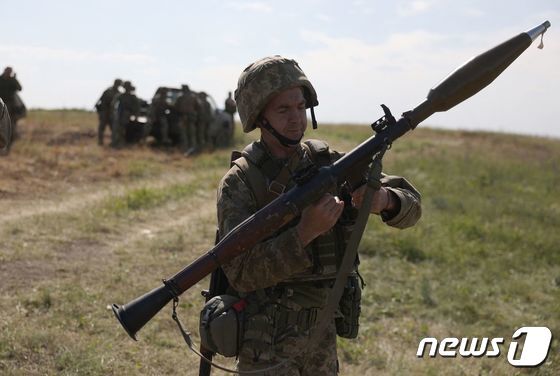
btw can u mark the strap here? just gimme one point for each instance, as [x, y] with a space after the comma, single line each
[267, 178]
[351, 251]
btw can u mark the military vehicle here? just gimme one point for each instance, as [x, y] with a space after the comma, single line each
[138, 127]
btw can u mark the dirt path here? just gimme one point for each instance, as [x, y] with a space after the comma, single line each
[77, 198]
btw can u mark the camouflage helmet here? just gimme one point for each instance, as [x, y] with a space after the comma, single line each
[263, 79]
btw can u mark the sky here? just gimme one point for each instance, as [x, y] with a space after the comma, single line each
[358, 54]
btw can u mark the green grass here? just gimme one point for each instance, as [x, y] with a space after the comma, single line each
[482, 262]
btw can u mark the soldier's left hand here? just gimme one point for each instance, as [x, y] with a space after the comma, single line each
[382, 199]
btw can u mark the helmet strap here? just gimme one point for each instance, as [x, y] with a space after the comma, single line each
[285, 141]
[313, 119]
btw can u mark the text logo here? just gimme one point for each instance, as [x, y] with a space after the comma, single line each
[535, 349]
[534, 353]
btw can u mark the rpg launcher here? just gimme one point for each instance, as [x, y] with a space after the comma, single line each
[461, 84]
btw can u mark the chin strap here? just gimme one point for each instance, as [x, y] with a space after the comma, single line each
[285, 141]
[313, 119]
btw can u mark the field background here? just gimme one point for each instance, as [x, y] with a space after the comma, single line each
[82, 227]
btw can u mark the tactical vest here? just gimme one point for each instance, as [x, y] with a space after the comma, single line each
[292, 305]
[267, 179]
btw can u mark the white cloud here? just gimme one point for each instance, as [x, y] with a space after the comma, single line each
[251, 6]
[231, 40]
[323, 17]
[361, 7]
[474, 12]
[352, 77]
[73, 55]
[414, 7]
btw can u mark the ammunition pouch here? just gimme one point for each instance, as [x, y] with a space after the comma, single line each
[221, 324]
[266, 330]
[347, 321]
[289, 322]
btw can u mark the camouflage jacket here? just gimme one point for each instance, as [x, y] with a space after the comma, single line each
[125, 105]
[159, 106]
[186, 103]
[230, 106]
[283, 256]
[104, 102]
[205, 112]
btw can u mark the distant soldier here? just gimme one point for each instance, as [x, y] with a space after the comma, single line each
[124, 106]
[158, 113]
[230, 106]
[204, 119]
[5, 129]
[187, 107]
[103, 107]
[9, 86]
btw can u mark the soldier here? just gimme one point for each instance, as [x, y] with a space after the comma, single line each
[9, 86]
[284, 280]
[230, 106]
[159, 110]
[187, 107]
[103, 107]
[5, 129]
[124, 106]
[204, 119]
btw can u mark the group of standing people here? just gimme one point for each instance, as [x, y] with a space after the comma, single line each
[181, 117]
[115, 107]
[194, 117]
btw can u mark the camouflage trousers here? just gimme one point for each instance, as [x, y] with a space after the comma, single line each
[302, 360]
[104, 122]
[187, 129]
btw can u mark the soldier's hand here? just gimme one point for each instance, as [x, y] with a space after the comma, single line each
[382, 199]
[319, 218]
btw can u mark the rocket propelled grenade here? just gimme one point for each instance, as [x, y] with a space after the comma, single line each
[463, 83]
[474, 75]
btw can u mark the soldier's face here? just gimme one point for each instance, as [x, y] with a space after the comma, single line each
[286, 113]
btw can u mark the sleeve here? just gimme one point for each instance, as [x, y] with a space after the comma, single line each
[268, 262]
[410, 202]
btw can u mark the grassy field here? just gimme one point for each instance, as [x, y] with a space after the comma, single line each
[84, 226]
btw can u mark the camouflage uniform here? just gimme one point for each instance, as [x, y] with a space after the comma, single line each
[124, 106]
[103, 107]
[231, 109]
[204, 119]
[230, 106]
[284, 283]
[278, 263]
[158, 112]
[187, 107]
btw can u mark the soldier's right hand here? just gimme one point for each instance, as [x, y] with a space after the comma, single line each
[319, 218]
